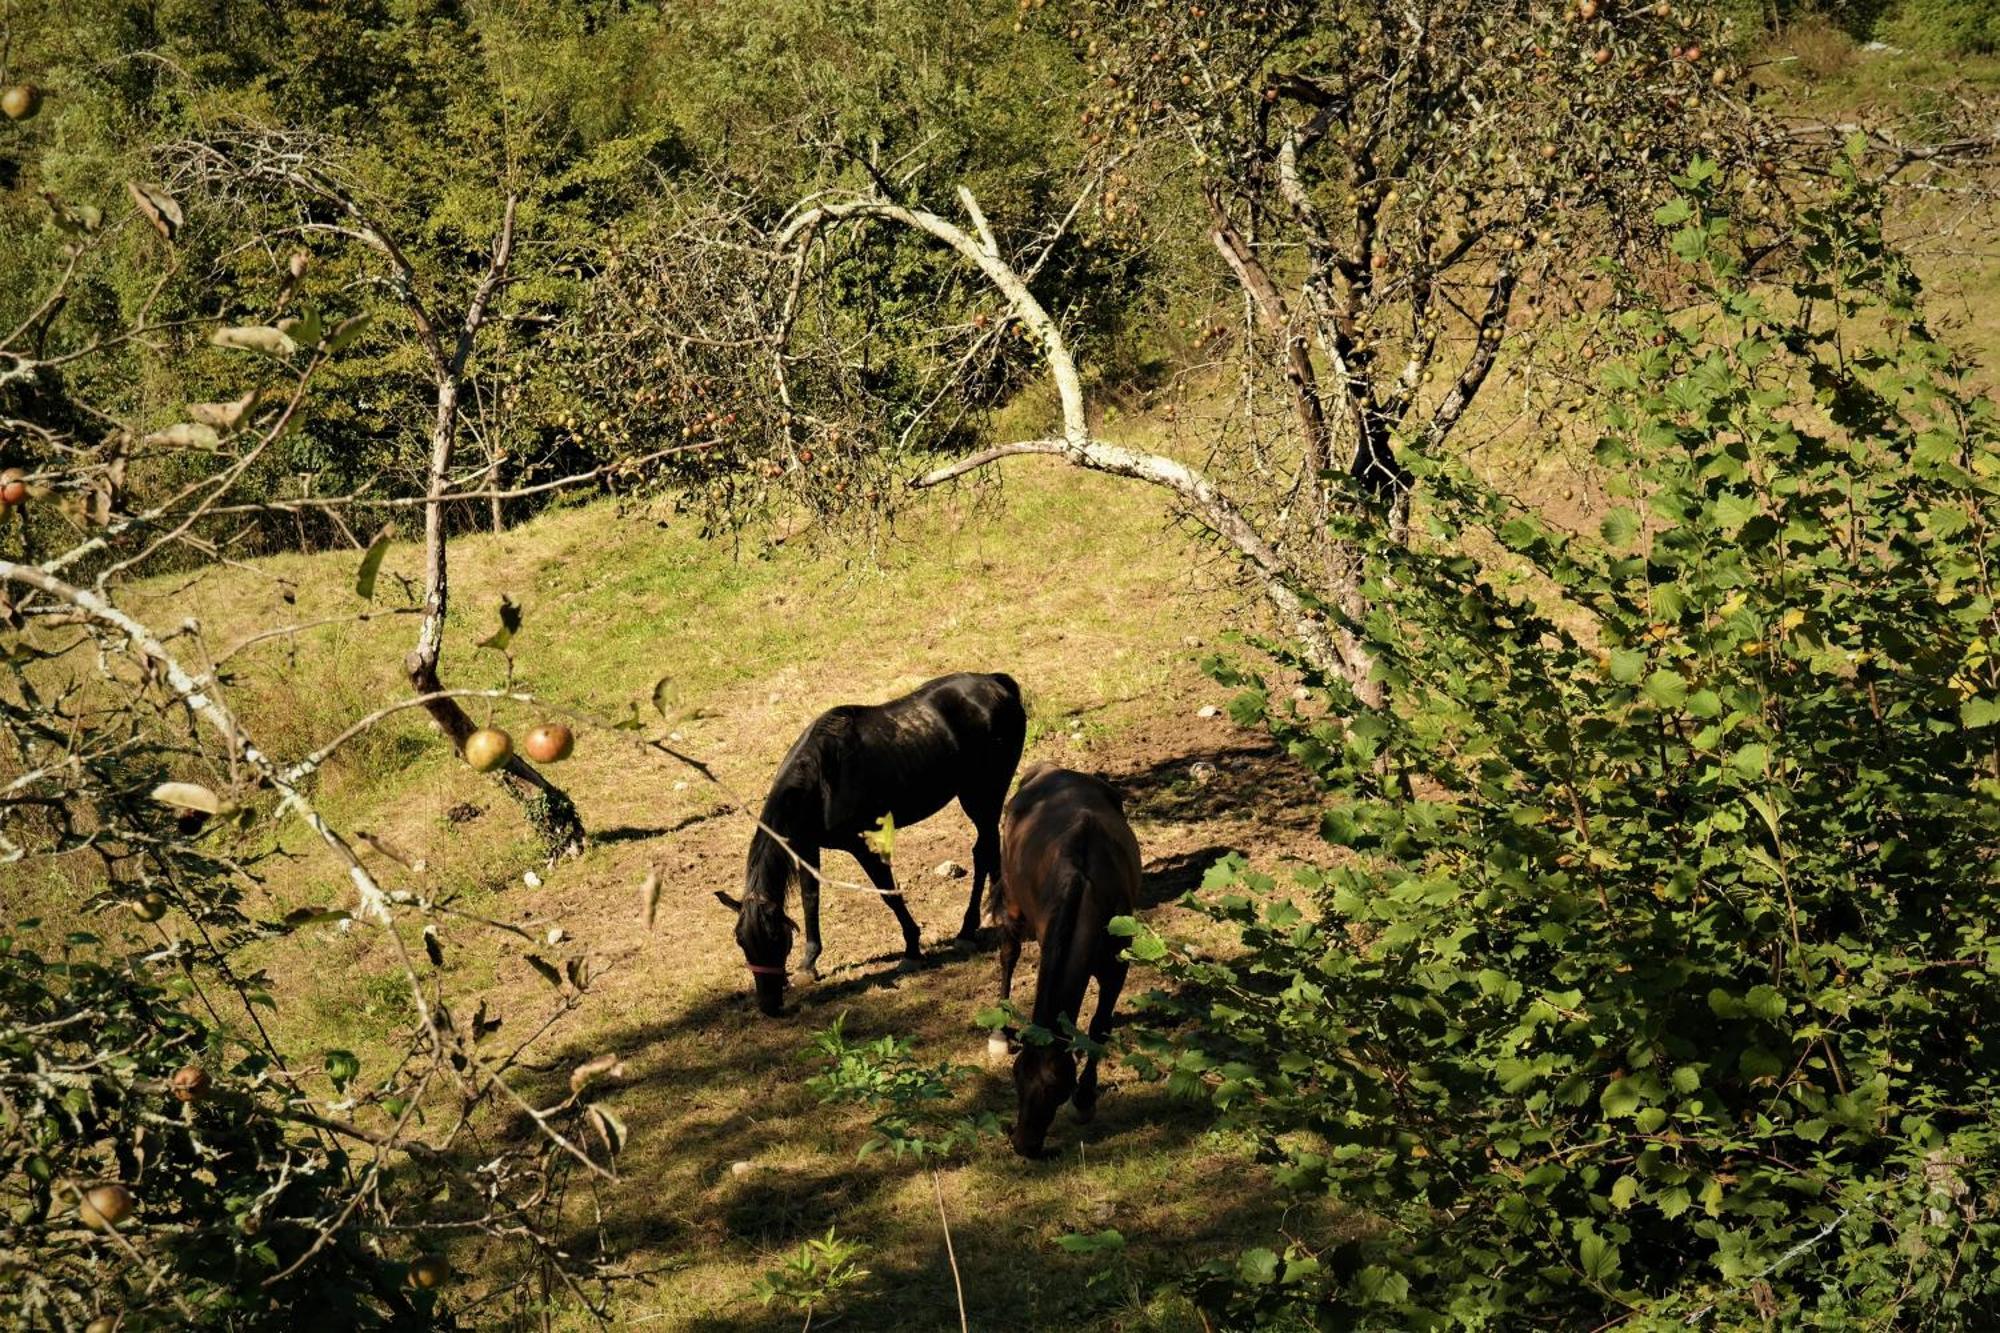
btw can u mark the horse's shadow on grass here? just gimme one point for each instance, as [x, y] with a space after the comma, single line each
[759, 1217]
[763, 1065]
[1170, 878]
[731, 1014]
[641, 833]
[1012, 1273]
[729, 1086]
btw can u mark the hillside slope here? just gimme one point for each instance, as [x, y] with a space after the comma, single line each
[1077, 585]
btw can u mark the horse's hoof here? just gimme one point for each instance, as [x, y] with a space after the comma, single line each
[909, 962]
[997, 1050]
[1085, 1113]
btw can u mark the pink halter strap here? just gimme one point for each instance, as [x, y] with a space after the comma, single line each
[763, 971]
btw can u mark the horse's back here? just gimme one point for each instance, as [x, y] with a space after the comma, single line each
[966, 729]
[936, 707]
[988, 686]
[910, 756]
[1060, 818]
[972, 703]
[1052, 795]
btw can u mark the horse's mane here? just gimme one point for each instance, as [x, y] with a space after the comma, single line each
[767, 880]
[1070, 887]
[765, 887]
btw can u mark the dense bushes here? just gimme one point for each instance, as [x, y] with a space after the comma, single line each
[616, 124]
[1948, 27]
[1658, 986]
[107, 1078]
[1939, 27]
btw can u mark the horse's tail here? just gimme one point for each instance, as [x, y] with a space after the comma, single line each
[1010, 721]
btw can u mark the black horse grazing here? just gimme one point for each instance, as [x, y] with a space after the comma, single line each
[958, 735]
[1068, 864]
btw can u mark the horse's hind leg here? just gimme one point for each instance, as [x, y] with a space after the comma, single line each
[1110, 980]
[878, 874]
[984, 812]
[1012, 927]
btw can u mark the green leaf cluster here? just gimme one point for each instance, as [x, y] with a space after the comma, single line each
[911, 1100]
[1656, 987]
[814, 1275]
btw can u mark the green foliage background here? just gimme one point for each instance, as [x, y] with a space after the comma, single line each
[612, 121]
[1938, 27]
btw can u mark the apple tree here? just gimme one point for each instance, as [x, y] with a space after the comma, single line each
[166, 1159]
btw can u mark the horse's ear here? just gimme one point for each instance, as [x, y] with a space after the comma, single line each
[727, 901]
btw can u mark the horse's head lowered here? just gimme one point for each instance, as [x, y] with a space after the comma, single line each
[1044, 1078]
[764, 933]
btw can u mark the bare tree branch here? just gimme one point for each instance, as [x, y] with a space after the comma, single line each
[197, 696]
[1213, 508]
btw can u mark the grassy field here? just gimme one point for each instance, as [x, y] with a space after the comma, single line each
[1820, 74]
[1079, 586]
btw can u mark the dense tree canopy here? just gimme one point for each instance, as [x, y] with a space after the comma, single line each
[610, 122]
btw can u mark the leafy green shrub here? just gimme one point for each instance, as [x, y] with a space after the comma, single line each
[910, 1099]
[1658, 989]
[814, 1275]
[1948, 27]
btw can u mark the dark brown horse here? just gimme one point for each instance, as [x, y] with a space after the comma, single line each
[956, 736]
[1068, 864]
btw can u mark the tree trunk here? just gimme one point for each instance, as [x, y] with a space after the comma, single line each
[547, 807]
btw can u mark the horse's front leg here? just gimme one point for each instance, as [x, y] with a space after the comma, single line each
[1110, 981]
[1001, 1043]
[809, 908]
[878, 874]
[1011, 927]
